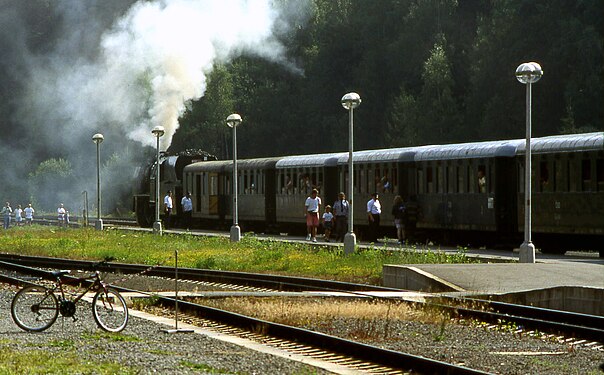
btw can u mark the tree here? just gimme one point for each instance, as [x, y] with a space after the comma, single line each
[52, 183]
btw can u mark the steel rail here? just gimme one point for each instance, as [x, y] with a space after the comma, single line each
[276, 282]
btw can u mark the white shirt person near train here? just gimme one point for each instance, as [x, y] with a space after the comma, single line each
[312, 207]
[29, 214]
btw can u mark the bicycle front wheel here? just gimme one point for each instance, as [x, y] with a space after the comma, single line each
[34, 308]
[109, 310]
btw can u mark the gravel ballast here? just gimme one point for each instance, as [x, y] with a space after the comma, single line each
[154, 351]
[151, 351]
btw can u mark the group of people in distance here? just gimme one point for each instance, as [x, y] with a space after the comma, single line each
[335, 219]
[21, 215]
[186, 205]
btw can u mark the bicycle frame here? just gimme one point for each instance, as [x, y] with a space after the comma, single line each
[94, 280]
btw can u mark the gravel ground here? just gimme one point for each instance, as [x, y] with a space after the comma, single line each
[153, 351]
[499, 352]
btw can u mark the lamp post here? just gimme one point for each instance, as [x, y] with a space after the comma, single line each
[157, 131]
[233, 121]
[350, 101]
[98, 139]
[528, 73]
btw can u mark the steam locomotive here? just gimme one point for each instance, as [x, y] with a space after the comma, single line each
[468, 193]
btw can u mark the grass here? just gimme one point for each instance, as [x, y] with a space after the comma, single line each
[366, 318]
[13, 361]
[251, 254]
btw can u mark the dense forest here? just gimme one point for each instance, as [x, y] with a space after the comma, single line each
[428, 71]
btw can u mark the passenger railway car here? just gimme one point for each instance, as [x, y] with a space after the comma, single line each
[469, 193]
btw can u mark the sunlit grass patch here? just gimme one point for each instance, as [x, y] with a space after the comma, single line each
[252, 254]
[45, 362]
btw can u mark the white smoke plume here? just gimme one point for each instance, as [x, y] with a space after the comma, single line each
[73, 68]
[151, 62]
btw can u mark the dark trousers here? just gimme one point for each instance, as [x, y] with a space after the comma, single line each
[187, 217]
[374, 227]
[167, 214]
[341, 227]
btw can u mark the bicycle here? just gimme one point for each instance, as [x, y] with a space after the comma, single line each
[36, 308]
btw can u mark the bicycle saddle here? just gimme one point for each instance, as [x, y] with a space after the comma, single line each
[60, 273]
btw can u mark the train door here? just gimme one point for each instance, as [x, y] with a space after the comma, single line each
[269, 188]
[330, 192]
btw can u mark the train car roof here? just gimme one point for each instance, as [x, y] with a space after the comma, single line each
[227, 165]
[474, 150]
[565, 143]
[316, 160]
[381, 156]
[208, 166]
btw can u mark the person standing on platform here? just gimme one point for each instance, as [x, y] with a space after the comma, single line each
[168, 206]
[61, 215]
[6, 212]
[312, 207]
[327, 222]
[399, 213]
[18, 216]
[340, 212]
[187, 209]
[29, 214]
[374, 210]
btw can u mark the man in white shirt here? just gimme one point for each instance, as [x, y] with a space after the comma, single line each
[312, 206]
[168, 208]
[187, 209]
[340, 212]
[29, 214]
[61, 213]
[374, 210]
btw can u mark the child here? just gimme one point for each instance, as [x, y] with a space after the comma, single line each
[327, 222]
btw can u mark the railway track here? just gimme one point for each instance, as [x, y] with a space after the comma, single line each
[358, 356]
[566, 325]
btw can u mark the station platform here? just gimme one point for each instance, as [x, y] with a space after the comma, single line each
[572, 286]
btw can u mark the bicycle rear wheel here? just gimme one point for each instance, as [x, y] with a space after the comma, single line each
[34, 308]
[109, 310]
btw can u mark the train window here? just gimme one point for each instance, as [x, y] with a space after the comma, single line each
[491, 178]
[213, 185]
[600, 174]
[451, 179]
[482, 179]
[560, 176]
[470, 179]
[460, 180]
[544, 180]
[289, 184]
[429, 180]
[420, 181]
[440, 180]
[394, 179]
[359, 180]
[586, 175]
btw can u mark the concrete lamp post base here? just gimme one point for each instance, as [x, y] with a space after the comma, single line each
[350, 241]
[527, 252]
[235, 233]
[98, 225]
[157, 228]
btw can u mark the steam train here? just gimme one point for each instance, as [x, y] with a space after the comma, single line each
[468, 193]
